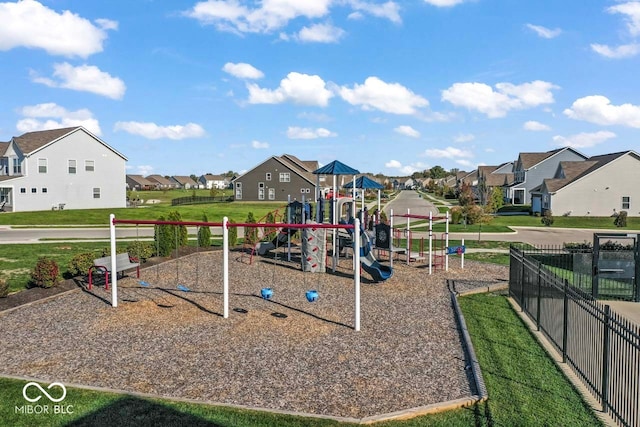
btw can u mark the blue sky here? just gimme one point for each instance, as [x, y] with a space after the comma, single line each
[188, 87]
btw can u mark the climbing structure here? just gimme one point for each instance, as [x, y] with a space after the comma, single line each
[314, 250]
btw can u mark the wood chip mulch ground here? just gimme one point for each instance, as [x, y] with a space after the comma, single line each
[163, 341]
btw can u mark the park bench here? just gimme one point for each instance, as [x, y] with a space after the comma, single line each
[103, 265]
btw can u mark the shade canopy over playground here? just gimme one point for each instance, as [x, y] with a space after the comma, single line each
[365, 183]
[336, 168]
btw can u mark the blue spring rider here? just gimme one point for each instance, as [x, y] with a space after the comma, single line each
[312, 295]
[266, 293]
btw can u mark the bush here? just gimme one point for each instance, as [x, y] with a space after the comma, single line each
[204, 234]
[46, 273]
[547, 219]
[80, 263]
[383, 217]
[182, 230]
[621, 219]
[251, 233]
[163, 238]
[233, 234]
[456, 215]
[140, 250]
[270, 232]
[474, 214]
[4, 288]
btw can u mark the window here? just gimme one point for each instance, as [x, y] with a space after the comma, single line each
[89, 165]
[72, 166]
[626, 202]
[285, 177]
[267, 176]
[518, 196]
[261, 185]
[238, 190]
[44, 189]
[17, 167]
[42, 165]
[23, 190]
[96, 193]
[260, 193]
[272, 194]
[34, 190]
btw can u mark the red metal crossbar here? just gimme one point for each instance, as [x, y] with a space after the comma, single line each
[229, 224]
[435, 218]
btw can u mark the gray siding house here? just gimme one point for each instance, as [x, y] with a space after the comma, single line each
[276, 179]
[66, 168]
[599, 186]
[532, 168]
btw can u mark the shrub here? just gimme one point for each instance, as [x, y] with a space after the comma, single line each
[578, 246]
[456, 214]
[233, 234]
[621, 219]
[251, 233]
[4, 288]
[182, 230]
[270, 232]
[80, 263]
[204, 234]
[163, 238]
[46, 273]
[547, 219]
[383, 217]
[474, 214]
[140, 250]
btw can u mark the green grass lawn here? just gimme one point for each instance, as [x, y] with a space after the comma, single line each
[525, 389]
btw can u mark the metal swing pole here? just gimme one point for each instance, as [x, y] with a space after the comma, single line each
[225, 268]
[114, 276]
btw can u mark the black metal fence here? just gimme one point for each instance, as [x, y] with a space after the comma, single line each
[601, 347]
[196, 200]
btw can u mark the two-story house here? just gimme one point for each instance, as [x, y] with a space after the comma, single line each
[276, 179]
[490, 177]
[184, 182]
[66, 168]
[599, 186]
[209, 181]
[532, 168]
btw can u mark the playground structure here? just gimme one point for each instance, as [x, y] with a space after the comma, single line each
[311, 295]
[437, 257]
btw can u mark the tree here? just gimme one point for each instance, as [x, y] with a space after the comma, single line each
[466, 199]
[251, 233]
[204, 234]
[495, 201]
[437, 172]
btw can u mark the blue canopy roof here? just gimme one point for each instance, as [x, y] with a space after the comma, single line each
[364, 182]
[336, 168]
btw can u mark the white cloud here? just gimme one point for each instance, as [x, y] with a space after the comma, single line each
[405, 169]
[107, 24]
[83, 78]
[379, 95]
[242, 70]
[618, 52]
[56, 117]
[464, 137]
[308, 133]
[497, 103]
[144, 170]
[259, 145]
[444, 3]
[599, 110]
[320, 33]
[545, 33]
[465, 163]
[534, 126]
[297, 88]
[316, 117]
[30, 24]
[234, 16]
[584, 140]
[631, 10]
[389, 10]
[448, 153]
[153, 131]
[407, 131]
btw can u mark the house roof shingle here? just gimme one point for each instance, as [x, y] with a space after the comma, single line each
[31, 141]
[142, 181]
[159, 179]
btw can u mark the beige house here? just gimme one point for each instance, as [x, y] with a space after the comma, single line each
[598, 186]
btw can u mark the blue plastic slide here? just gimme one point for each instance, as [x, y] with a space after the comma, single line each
[379, 272]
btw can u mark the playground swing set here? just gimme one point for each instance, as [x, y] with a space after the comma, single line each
[311, 295]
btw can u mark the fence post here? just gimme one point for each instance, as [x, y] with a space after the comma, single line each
[539, 297]
[565, 320]
[522, 282]
[606, 356]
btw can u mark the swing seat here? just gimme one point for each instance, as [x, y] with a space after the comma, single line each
[143, 283]
[266, 293]
[312, 296]
[183, 288]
